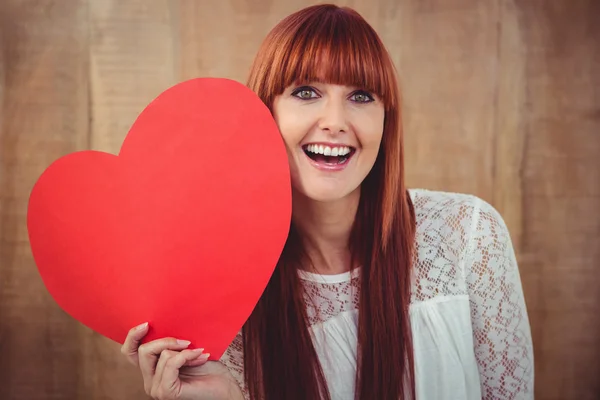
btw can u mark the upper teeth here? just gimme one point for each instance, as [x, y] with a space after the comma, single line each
[328, 151]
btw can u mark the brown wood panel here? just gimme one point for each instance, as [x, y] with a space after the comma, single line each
[560, 173]
[221, 38]
[131, 62]
[44, 117]
[448, 61]
[508, 120]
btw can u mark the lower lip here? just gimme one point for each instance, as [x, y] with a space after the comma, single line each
[329, 167]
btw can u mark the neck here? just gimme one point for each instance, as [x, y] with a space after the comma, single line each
[325, 228]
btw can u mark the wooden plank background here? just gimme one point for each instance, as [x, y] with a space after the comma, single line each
[502, 100]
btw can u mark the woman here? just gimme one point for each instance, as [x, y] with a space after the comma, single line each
[380, 292]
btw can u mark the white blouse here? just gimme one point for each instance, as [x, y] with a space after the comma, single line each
[471, 332]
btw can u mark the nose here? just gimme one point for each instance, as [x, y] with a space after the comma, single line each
[333, 119]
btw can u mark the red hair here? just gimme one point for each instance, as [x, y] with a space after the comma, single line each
[336, 45]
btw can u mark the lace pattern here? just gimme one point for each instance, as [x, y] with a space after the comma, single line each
[462, 248]
[501, 330]
[327, 300]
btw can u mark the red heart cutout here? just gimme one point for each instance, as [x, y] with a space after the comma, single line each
[182, 229]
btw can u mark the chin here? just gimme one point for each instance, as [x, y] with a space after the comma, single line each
[325, 194]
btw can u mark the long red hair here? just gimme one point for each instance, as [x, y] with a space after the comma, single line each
[336, 45]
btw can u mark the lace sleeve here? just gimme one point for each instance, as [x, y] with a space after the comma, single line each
[501, 330]
[233, 359]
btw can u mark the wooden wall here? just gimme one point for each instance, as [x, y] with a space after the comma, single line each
[502, 101]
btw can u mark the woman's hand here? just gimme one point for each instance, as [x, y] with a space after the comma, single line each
[173, 372]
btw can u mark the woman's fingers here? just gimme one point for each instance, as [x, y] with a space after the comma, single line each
[160, 367]
[169, 383]
[132, 342]
[149, 353]
[201, 359]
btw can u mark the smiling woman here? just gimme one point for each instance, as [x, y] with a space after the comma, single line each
[358, 217]
[381, 292]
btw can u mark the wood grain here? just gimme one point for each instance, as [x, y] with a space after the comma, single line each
[448, 61]
[560, 172]
[502, 100]
[509, 119]
[131, 62]
[44, 117]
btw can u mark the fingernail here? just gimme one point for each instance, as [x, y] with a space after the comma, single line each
[142, 326]
[183, 342]
[204, 357]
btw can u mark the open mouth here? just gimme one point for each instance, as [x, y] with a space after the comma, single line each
[329, 155]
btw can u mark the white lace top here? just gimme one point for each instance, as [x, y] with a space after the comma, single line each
[471, 331]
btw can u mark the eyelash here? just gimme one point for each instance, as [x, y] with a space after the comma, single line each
[308, 88]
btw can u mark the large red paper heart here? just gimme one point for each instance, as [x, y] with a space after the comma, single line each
[182, 229]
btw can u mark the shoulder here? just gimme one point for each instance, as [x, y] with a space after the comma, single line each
[449, 228]
[452, 211]
[434, 203]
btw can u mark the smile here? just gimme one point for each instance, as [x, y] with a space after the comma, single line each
[329, 157]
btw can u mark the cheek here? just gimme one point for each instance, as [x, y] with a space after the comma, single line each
[371, 134]
[283, 123]
[291, 130]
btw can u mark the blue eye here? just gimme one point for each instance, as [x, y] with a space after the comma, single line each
[362, 96]
[305, 93]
